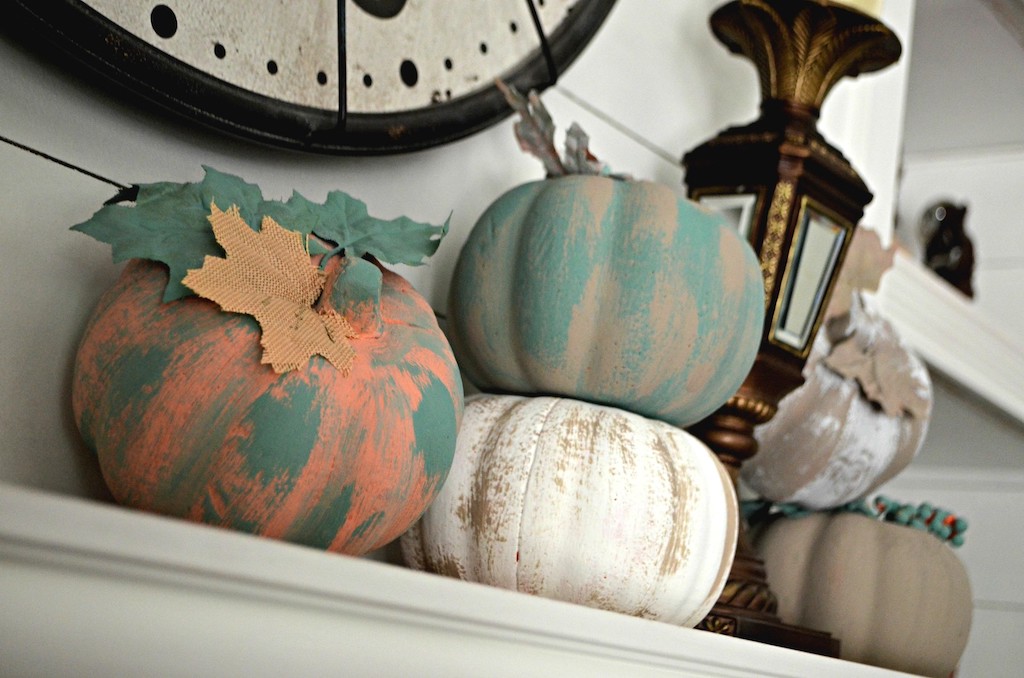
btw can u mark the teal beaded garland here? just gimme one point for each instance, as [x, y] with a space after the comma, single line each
[942, 524]
[939, 522]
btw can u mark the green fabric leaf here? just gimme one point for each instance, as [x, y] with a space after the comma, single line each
[168, 223]
[398, 241]
[345, 222]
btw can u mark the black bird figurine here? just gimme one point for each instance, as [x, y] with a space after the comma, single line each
[948, 249]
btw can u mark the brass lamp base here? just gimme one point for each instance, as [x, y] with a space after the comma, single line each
[746, 607]
[794, 189]
[730, 621]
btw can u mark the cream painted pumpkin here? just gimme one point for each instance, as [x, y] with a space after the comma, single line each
[582, 503]
[858, 420]
[894, 596]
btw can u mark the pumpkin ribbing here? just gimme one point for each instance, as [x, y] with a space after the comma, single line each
[608, 291]
[187, 422]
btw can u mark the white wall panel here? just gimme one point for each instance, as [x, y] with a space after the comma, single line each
[967, 85]
[656, 69]
[989, 500]
[995, 649]
[989, 182]
[50, 278]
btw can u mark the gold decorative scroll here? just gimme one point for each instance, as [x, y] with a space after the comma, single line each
[800, 51]
[775, 234]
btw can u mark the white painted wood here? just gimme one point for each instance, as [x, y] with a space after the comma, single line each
[92, 590]
[967, 432]
[966, 87]
[953, 336]
[995, 648]
[997, 289]
[989, 500]
[864, 117]
[988, 181]
[656, 69]
[1010, 13]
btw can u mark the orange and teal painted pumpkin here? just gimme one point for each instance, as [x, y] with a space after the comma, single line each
[614, 292]
[187, 422]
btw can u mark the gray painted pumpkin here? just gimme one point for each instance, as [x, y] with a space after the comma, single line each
[857, 421]
[894, 596]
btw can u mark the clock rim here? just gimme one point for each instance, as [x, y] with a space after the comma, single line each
[98, 47]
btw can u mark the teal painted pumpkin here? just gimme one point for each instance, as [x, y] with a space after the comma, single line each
[187, 422]
[614, 292]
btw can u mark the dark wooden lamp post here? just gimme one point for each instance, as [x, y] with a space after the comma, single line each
[797, 201]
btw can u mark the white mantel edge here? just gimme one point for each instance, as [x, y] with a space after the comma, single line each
[952, 336]
[91, 589]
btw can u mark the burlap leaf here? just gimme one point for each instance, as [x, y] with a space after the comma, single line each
[167, 222]
[268, 275]
[867, 348]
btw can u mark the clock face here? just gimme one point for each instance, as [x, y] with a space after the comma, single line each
[343, 76]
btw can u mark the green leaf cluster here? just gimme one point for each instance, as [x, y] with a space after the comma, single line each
[168, 223]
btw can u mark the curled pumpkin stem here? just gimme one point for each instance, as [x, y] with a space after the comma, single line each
[331, 264]
[336, 253]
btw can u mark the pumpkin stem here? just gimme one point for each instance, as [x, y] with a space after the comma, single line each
[352, 288]
[332, 266]
[331, 256]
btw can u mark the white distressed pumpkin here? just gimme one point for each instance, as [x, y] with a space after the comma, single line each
[894, 596]
[582, 503]
[858, 420]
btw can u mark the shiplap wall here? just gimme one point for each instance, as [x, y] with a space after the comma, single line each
[653, 84]
[964, 141]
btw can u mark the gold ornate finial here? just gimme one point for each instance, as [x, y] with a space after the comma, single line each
[801, 48]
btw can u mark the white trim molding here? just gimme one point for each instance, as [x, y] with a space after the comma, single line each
[953, 336]
[97, 590]
[1010, 14]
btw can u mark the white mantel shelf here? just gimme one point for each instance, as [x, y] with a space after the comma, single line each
[95, 590]
[953, 336]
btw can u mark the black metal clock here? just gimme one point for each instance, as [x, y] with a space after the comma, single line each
[335, 76]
